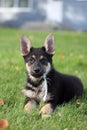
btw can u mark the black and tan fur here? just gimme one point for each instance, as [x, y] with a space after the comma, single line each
[44, 83]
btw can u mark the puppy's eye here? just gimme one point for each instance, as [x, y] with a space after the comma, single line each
[43, 61]
[31, 60]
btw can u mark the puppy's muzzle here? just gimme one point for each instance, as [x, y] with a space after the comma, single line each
[37, 72]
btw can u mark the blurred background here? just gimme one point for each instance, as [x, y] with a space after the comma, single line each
[44, 14]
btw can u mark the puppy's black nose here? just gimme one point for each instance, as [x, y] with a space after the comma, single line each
[37, 70]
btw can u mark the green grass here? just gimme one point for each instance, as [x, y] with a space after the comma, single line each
[70, 57]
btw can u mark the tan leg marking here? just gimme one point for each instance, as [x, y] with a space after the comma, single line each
[46, 110]
[30, 105]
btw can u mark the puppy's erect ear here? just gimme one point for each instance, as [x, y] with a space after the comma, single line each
[25, 45]
[49, 44]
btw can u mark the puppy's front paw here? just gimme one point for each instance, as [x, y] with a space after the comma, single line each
[46, 110]
[29, 106]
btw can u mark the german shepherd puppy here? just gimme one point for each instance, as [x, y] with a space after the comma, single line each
[44, 83]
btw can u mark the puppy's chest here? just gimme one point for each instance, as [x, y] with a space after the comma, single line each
[39, 93]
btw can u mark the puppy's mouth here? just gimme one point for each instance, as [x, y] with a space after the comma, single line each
[36, 78]
[37, 75]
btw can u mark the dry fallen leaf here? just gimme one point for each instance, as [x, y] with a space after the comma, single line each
[17, 68]
[1, 102]
[74, 129]
[76, 71]
[66, 129]
[62, 56]
[78, 102]
[3, 124]
[59, 114]
[45, 116]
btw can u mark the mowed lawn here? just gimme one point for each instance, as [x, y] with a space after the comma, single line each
[70, 58]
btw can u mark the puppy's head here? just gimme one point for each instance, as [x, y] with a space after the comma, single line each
[38, 60]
